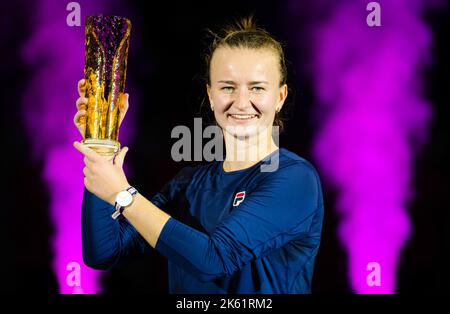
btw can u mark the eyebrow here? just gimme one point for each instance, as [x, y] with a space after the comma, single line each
[251, 83]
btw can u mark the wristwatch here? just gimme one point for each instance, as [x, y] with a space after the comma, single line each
[123, 199]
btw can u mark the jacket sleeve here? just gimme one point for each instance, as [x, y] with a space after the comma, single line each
[281, 209]
[105, 240]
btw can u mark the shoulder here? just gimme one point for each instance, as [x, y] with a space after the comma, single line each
[296, 181]
[292, 167]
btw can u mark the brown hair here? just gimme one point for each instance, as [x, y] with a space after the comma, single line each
[244, 33]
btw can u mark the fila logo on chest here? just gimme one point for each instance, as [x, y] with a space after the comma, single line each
[238, 198]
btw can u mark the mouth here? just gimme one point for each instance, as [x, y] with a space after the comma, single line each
[242, 118]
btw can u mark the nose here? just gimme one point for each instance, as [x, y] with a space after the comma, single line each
[242, 100]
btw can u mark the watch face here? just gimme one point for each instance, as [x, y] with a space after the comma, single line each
[124, 198]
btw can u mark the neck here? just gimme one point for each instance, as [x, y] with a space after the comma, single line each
[243, 152]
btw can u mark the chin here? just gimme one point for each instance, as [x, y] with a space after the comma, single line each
[243, 131]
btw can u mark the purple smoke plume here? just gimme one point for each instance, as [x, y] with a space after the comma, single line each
[373, 119]
[55, 52]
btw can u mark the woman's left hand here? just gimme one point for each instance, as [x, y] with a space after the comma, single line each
[102, 177]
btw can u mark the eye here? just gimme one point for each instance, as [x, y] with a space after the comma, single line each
[228, 89]
[257, 88]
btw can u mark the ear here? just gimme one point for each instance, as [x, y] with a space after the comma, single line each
[208, 91]
[283, 92]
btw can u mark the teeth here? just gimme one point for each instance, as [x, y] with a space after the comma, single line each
[243, 116]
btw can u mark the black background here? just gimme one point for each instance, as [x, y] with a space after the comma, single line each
[165, 69]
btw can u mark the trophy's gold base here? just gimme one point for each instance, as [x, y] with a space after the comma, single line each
[103, 147]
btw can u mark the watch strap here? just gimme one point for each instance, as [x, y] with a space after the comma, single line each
[132, 190]
[119, 209]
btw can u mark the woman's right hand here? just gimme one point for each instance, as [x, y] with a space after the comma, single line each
[80, 117]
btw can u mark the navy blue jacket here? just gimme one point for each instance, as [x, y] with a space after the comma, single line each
[245, 231]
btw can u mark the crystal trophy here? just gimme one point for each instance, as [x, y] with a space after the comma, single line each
[107, 41]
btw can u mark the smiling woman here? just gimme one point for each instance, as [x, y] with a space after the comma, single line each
[245, 87]
[245, 35]
[245, 95]
[228, 226]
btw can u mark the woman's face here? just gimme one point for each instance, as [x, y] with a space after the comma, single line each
[245, 89]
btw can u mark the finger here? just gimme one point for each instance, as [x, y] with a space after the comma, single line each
[81, 87]
[87, 162]
[78, 115]
[81, 103]
[121, 157]
[86, 151]
[80, 122]
[87, 172]
[123, 108]
[109, 159]
[126, 99]
[86, 184]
